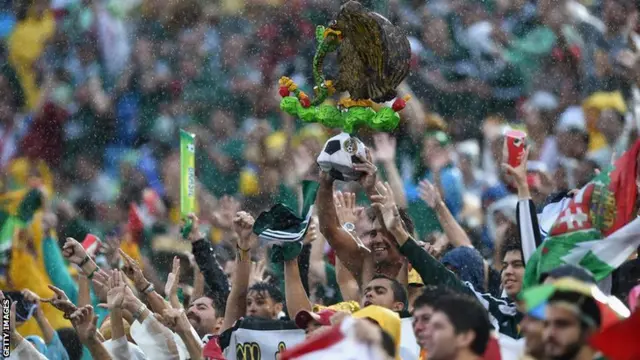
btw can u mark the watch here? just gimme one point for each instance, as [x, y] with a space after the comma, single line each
[350, 227]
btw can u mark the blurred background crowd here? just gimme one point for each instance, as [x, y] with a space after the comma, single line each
[94, 92]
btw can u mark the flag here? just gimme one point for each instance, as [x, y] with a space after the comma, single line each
[91, 244]
[251, 336]
[259, 339]
[534, 300]
[187, 173]
[142, 216]
[619, 341]
[595, 230]
[336, 343]
[280, 224]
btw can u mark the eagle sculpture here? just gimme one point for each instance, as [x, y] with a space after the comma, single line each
[374, 55]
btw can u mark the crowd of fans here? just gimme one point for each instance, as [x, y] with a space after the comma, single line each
[95, 92]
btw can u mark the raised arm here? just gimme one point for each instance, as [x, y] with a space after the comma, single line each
[84, 321]
[176, 320]
[431, 196]
[206, 261]
[386, 155]
[295, 295]
[237, 300]
[430, 269]
[132, 269]
[526, 217]
[171, 287]
[341, 241]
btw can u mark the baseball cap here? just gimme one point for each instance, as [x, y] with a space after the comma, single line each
[570, 271]
[304, 317]
[572, 119]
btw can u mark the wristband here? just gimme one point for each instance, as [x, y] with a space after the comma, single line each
[149, 289]
[84, 261]
[242, 253]
[93, 272]
[136, 315]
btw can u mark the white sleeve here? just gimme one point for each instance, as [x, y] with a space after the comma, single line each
[526, 227]
[26, 351]
[182, 347]
[121, 349]
[154, 339]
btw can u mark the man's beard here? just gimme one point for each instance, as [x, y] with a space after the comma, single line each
[571, 352]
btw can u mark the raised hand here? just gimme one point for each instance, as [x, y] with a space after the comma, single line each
[257, 272]
[519, 173]
[174, 319]
[173, 279]
[345, 207]
[84, 321]
[133, 272]
[195, 233]
[73, 251]
[60, 301]
[243, 226]
[110, 248]
[115, 295]
[312, 231]
[101, 284]
[385, 148]
[368, 169]
[223, 216]
[386, 208]
[430, 194]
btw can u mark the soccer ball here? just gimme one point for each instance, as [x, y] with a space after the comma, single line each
[338, 156]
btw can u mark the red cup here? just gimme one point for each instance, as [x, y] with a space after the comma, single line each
[514, 146]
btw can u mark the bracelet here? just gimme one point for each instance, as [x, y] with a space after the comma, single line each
[84, 261]
[93, 272]
[136, 315]
[149, 289]
[242, 253]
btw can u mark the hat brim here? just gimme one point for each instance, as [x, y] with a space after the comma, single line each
[304, 317]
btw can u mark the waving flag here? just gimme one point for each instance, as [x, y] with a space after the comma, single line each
[595, 230]
[336, 343]
[280, 224]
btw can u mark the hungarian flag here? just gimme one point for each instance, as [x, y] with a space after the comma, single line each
[595, 230]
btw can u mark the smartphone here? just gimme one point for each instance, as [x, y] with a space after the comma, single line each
[24, 308]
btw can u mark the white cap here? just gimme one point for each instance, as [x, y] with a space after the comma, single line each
[543, 100]
[572, 119]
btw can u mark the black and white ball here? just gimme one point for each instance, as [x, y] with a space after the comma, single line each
[339, 154]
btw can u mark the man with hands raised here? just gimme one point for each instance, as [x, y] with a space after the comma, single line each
[237, 301]
[503, 313]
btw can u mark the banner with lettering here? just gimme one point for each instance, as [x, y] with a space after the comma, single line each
[259, 339]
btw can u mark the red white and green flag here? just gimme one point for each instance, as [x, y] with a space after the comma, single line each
[599, 229]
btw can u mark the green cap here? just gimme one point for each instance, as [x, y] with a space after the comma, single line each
[439, 135]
